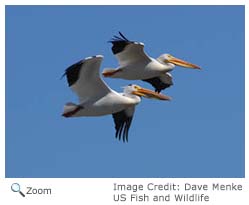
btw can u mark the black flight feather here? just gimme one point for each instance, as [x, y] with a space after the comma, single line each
[73, 72]
[122, 125]
[157, 84]
[119, 43]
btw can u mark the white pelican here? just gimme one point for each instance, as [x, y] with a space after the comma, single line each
[135, 64]
[96, 98]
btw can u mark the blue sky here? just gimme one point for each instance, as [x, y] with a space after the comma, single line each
[200, 133]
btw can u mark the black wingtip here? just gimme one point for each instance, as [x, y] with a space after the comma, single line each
[157, 84]
[123, 36]
[72, 72]
[64, 74]
[119, 43]
[122, 125]
[118, 38]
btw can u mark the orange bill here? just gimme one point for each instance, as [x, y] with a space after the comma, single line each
[142, 92]
[182, 63]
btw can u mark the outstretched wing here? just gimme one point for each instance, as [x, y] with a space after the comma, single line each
[84, 79]
[128, 52]
[161, 82]
[122, 122]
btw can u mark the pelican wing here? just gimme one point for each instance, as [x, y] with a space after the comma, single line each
[128, 52]
[161, 82]
[83, 78]
[122, 122]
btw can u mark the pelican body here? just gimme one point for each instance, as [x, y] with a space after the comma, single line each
[135, 64]
[96, 98]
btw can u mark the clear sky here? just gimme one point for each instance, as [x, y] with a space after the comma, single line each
[200, 133]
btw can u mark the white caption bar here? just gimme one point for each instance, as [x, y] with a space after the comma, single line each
[124, 191]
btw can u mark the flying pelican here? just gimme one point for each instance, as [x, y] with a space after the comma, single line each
[96, 98]
[135, 64]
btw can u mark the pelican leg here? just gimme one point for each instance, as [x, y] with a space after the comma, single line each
[110, 72]
[72, 112]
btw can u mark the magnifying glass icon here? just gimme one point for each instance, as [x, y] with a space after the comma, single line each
[15, 187]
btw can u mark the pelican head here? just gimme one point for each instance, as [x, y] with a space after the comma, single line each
[167, 58]
[142, 92]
